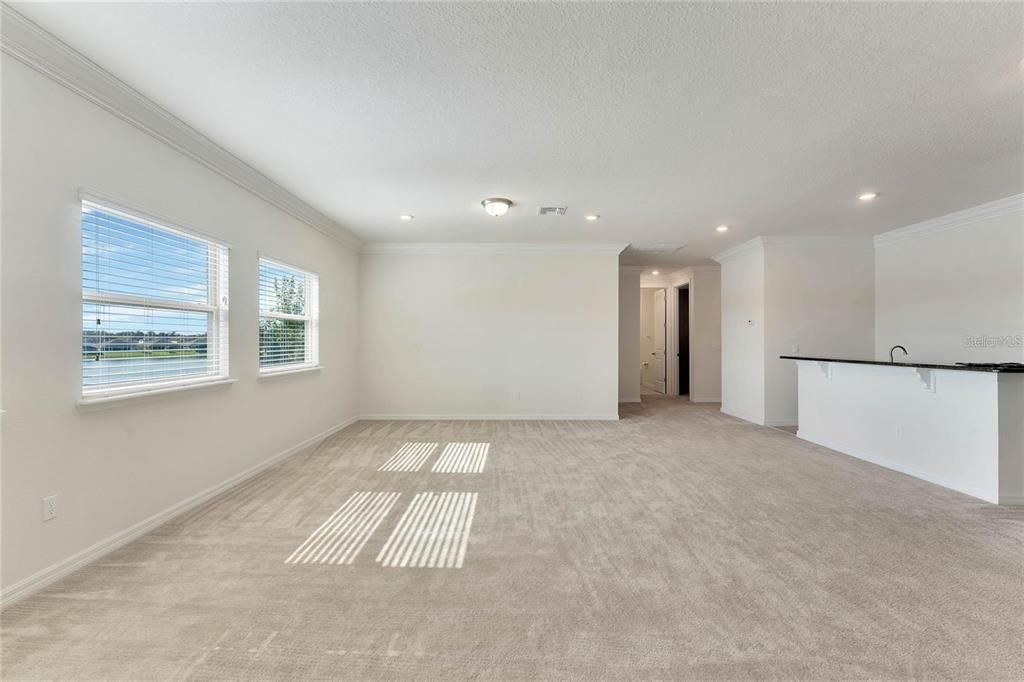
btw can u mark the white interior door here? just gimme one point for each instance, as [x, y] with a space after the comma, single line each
[657, 368]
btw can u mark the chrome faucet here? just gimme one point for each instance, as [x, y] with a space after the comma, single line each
[891, 350]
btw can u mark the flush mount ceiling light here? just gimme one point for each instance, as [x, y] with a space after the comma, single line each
[722, 228]
[868, 196]
[592, 217]
[496, 206]
[406, 217]
[655, 272]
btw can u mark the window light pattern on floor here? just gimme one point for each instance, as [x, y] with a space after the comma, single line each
[433, 532]
[410, 457]
[462, 458]
[342, 536]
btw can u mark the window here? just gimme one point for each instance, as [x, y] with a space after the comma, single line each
[154, 305]
[289, 318]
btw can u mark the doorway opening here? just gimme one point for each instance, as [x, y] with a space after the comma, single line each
[683, 336]
[653, 377]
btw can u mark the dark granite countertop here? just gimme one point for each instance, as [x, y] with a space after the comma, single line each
[1006, 368]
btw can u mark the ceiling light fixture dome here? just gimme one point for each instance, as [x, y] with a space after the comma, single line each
[722, 228]
[592, 217]
[868, 196]
[406, 217]
[496, 206]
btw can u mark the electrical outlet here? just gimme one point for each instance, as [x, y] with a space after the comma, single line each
[49, 507]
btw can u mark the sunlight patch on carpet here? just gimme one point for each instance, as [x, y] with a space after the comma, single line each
[410, 457]
[462, 458]
[342, 536]
[433, 532]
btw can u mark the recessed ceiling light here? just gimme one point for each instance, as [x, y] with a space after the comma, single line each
[496, 206]
[722, 228]
[592, 217]
[868, 196]
[655, 272]
[406, 217]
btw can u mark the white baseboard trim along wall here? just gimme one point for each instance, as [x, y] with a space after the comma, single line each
[55, 572]
[791, 421]
[489, 417]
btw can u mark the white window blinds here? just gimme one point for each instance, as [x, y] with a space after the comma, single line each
[289, 317]
[154, 305]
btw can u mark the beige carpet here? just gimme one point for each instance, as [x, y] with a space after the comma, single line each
[676, 543]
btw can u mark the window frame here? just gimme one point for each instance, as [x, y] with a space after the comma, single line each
[216, 307]
[311, 318]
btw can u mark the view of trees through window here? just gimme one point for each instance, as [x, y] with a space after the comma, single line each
[283, 341]
[287, 315]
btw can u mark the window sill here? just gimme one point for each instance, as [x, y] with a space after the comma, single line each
[101, 401]
[265, 375]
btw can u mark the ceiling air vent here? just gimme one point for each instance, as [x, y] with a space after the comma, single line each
[552, 210]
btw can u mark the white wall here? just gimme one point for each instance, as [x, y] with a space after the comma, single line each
[120, 466]
[705, 285]
[476, 334]
[819, 298]
[937, 287]
[743, 332]
[629, 339]
[781, 293]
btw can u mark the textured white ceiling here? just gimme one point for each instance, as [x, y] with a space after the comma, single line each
[666, 119]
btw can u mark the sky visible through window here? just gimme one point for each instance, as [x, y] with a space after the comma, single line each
[120, 256]
[134, 342]
[124, 257]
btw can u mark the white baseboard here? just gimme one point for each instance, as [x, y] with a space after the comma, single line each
[791, 421]
[489, 417]
[54, 572]
[712, 399]
[741, 418]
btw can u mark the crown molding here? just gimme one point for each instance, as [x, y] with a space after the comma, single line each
[952, 221]
[42, 51]
[599, 249]
[808, 241]
[739, 250]
[796, 241]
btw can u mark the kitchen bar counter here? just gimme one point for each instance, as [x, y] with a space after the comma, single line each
[1009, 368]
[957, 426]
